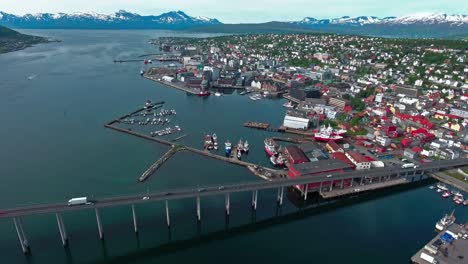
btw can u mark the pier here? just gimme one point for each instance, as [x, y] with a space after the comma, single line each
[441, 176]
[455, 252]
[257, 125]
[153, 168]
[175, 85]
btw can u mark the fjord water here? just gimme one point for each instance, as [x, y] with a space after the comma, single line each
[54, 147]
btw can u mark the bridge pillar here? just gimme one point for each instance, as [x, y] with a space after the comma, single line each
[168, 219]
[342, 183]
[61, 226]
[306, 190]
[227, 203]
[362, 179]
[21, 236]
[254, 199]
[135, 226]
[380, 178]
[98, 219]
[320, 188]
[331, 185]
[280, 195]
[352, 180]
[198, 209]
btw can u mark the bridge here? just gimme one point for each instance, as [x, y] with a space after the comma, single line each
[356, 177]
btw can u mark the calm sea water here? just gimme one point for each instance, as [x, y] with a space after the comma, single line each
[54, 146]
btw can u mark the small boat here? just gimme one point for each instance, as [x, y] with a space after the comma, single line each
[32, 77]
[445, 222]
[288, 105]
[458, 199]
[432, 187]
[215, 141]
[325, 137]
[446, 194]
[240, 146]
[239, 154]
[243, 93]
[218, 94]
[204, 93]
[142, 72]
[439, 190]
[208, 142]
[227, 148]
[465, 202]
[442, 186]
[270, 148]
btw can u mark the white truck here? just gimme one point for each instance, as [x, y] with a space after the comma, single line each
[409, 165]
[428, 258]
[78, 201]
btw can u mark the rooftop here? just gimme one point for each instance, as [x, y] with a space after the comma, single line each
[320, 166]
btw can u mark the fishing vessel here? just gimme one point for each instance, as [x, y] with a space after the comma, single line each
[227, 148]
[239, 154]
[277, 161]
[240, 146]
[270, 148]
[445, 222]
[208, 142]
[246, 147]
[324, 136]
[148, 104]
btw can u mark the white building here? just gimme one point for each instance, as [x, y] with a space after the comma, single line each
[358, 160]
[295, 121]
[383, 141]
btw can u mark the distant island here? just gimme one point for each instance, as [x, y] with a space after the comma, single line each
[11, 40]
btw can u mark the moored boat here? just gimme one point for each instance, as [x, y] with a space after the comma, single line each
[442, 186]
[208, 142]
[215, 141]
[325, 137]
[270, 148]
[246, 147]
[204, 93]
[218, 94]
[288, 105]
[445, 222]
[277, 161]
[227, 148]
[239, 154]
[458, 199]
[446, 194]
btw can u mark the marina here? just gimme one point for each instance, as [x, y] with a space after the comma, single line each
[449, 246]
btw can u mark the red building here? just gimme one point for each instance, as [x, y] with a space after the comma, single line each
[319, 167]
[341, 156]
[296, 155]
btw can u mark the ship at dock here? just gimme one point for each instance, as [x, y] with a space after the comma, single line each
[208, 142]
[270, 147]
[277, 161]
[326, 134]
[214, 139]
[227, 148]
[445, 222]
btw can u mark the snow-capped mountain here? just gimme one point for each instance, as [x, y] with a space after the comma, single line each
[120, 19]
[416, 19]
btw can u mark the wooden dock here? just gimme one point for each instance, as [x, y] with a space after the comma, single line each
[257, 125]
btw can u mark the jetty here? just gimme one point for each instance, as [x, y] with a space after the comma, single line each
[153, 168]
[176, 85]
[257, 125]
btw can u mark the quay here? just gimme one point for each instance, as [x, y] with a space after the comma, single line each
[441, 252]
[441, 176]
[153, 168]
[173, 85]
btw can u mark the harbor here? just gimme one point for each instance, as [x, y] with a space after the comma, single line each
[449, 246]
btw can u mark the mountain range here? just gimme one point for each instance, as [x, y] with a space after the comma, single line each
[427, 24]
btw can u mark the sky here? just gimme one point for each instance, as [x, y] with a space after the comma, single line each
[242, 11]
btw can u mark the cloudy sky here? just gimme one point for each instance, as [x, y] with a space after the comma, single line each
[241, 11]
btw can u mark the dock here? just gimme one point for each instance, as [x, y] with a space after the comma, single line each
[257, 125]
[175, 85]
[445, 253]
